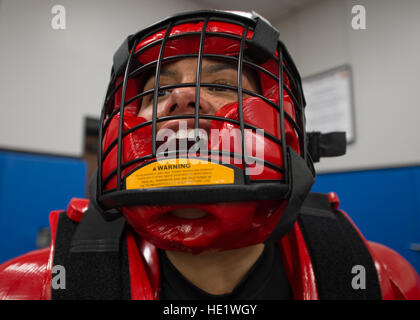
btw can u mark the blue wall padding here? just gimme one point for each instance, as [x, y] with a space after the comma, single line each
[384, 204]
[30, 187]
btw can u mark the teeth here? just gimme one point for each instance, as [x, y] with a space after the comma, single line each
[182, 134]
[189, 134]
[185, 137]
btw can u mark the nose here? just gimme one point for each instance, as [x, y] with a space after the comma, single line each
[182, 101]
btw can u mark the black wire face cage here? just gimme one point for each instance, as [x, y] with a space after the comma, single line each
[261, 47]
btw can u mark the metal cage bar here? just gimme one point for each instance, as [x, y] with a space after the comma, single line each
[178, 117]
[281, 114]
[198, 79]
[240, 104]
[156, 87]
[121, 122]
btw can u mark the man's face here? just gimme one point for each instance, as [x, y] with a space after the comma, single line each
[182, 100]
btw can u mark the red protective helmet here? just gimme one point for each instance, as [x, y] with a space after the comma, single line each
[250, 187]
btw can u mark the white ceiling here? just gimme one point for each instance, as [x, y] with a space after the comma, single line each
[270, 9]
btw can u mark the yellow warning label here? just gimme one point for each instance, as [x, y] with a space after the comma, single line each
[179, 172]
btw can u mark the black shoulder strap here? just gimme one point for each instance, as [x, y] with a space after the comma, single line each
[94, 256]
[335, 248]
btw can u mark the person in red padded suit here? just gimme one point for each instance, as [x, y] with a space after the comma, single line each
[203, 184]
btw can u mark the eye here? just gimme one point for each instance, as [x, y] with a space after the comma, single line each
[218, 89]
[163, 92]
[221, 89]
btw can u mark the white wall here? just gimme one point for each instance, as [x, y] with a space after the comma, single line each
[51, 79]
[386, 73]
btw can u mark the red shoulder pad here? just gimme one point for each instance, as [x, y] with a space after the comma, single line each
[28, 277]
[77, 208]
[333, 198]
[399, 280]
[25, 277]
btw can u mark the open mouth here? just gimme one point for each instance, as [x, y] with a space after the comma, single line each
[181, 135]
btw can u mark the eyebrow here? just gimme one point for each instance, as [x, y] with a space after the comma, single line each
[163, 72]
[209, 69]
[217, 67]
[166, 72]
[212, 68]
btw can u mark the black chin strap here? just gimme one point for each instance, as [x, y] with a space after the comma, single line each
[95, 233]
[108, 215]
[301, 179]
[94, 255]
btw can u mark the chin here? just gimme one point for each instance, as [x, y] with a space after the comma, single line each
[202, 227]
